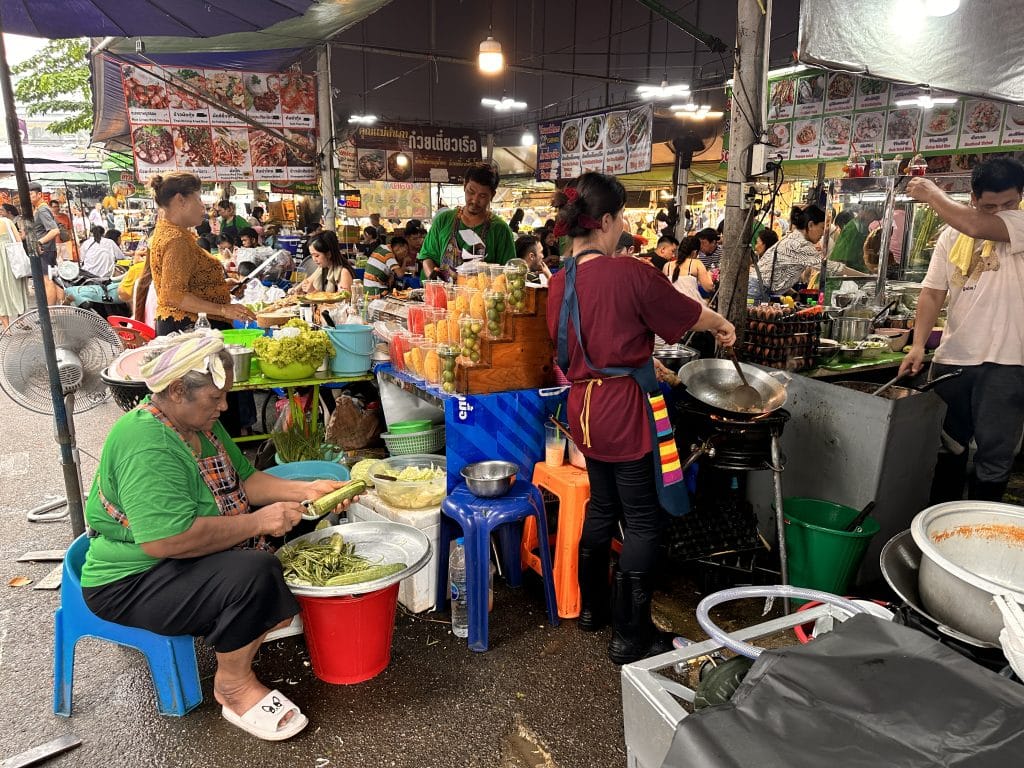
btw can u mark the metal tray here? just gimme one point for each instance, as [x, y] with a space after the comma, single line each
[386, 541]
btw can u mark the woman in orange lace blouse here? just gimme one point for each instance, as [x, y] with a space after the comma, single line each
[187, 279]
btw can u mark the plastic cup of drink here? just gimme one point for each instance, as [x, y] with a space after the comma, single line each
[554, 446]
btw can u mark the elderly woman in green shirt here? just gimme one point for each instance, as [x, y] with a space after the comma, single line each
[180, 522]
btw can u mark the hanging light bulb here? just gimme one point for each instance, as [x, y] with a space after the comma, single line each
[490, 59]
[527, 140]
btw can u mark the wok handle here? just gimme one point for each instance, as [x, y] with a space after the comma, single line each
[781, 376]
[939, 379]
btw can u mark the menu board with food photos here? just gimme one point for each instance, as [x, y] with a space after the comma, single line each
[393, 200]
[862, 114]
[176, 123]
[398, 152]
[611, 142]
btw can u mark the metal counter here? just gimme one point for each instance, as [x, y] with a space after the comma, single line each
[850, 448]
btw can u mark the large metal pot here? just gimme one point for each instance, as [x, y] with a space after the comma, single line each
[900, 562]
[675, 356]
[845, 329]
[713, 382]
[970, 550]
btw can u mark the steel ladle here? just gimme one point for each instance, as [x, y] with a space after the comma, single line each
[744, 396]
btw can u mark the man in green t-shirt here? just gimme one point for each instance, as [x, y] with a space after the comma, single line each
[231, 224]
[443, 248]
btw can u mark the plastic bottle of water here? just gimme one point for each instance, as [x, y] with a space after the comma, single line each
[457, 574]
[202, 322]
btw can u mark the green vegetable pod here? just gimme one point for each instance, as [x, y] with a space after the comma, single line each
[329, 501]
[372, 573]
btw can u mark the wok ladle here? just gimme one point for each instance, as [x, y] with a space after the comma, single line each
[745, 397]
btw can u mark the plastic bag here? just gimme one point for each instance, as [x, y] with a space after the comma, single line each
[353, 425]
[18, 259]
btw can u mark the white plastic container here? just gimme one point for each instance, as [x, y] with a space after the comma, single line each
[418, 593]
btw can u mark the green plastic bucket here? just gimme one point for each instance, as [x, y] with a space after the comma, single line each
[821, 554]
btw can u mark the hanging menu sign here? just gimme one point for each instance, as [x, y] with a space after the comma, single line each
[982, 124]
[639, 128]
[864, 114]
[549, 145]
[611, 142]
[177, 125]
[393, 200]
[407, 153]
[570, 163]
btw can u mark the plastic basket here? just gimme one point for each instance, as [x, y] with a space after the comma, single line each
[430, 441]
[127, 394]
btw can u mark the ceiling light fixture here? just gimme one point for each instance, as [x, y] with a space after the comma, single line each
[925, 101]
[506, 104]
[362, 119]
[940, 7]
[691, 111]
[490, 59]
[527, 140]
[662, 92]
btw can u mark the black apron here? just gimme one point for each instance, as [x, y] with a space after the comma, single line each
[668, 471]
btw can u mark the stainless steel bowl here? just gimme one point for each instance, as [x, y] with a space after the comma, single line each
[490, 479]
[970, 550]
[675, 356]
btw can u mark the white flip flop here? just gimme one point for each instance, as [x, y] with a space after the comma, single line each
[263, 720]
[295, 628]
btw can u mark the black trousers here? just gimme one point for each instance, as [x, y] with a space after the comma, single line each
[229, 598]
[625, 488]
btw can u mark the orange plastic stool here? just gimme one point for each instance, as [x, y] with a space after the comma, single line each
[572, 488]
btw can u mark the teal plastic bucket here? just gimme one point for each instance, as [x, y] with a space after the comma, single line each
[310, 470]
[353, 345]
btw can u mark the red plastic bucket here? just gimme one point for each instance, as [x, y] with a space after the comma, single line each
[349, 638]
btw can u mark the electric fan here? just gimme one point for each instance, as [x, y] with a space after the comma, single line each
[85, 345]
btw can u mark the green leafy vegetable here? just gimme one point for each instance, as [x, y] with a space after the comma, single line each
[309, 347]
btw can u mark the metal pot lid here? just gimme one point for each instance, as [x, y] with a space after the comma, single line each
[386, 542]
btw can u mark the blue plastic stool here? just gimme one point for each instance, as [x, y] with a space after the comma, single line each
[172, 660]
[478, 517]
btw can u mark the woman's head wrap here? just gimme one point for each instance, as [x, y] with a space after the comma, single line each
[178, 354]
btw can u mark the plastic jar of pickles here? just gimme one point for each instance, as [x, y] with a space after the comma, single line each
[515, 285]
[449, 355]
[495, 308]
[435, 293]
[471, 333]
[464, 299]
[413, 358]
[466, 274]
[416, 318]
[400, 344]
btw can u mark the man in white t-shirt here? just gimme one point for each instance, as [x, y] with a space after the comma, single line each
[979, 263]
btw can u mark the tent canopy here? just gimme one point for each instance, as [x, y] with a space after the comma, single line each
[974, 50]
[57, 19]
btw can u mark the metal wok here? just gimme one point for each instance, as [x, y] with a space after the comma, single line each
[713, 381]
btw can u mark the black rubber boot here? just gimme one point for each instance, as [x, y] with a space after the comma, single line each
[979, 490]
[595, 595]
[634, 635]
[949, 479]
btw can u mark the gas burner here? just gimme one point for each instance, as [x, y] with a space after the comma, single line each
[740, 442]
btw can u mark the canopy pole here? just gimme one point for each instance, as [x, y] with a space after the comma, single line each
[72, 483]
[325, 131]
[748, 90]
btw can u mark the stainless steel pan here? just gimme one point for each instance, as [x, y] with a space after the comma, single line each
[712, 381]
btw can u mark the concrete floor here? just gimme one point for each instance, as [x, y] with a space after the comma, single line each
[541, 696]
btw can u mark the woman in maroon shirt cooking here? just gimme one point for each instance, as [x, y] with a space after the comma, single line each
[621, 305]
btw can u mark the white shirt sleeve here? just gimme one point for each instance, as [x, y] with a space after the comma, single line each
[1014, 221]
[938, 267]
